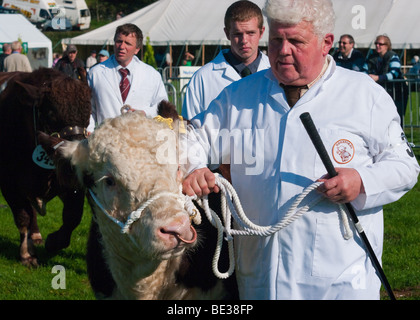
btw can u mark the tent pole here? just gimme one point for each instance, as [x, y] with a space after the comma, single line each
[170, 63]
[203, 54]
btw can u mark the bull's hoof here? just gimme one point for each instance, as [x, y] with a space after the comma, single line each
[37, 239]
[56, 241]
[30, 262]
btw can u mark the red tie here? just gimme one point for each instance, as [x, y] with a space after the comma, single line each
[124, 84]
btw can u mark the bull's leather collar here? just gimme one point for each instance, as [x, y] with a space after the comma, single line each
[70, 131]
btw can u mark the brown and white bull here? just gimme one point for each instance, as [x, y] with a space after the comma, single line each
[133, 178]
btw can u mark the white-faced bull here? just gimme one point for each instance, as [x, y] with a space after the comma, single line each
[142, 244]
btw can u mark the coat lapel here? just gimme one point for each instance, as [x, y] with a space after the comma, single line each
[111, 80]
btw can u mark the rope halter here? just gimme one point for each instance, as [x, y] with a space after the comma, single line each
[136, 214]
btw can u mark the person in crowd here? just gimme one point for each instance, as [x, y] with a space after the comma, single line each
[384, 66]
[254, 124]
[17, 61]
[70, 64]
[56, 56]
[188, 58]
[415, 70]
[124, 80]
[91, 60]
[7, 50]
[244, 27]
[347, 56]
[103, 55]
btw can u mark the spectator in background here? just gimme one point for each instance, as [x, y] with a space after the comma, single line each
[347, 56]
[70, 64]
[384, 66]
[17, 61]
[7, 50]
[91, 60]
[57, 56]
[414, 71]
[188, 58]
[103, 55]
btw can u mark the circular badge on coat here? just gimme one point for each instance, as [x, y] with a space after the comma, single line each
[343, 151]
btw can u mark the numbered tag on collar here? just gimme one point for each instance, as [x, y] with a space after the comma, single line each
[41, 158]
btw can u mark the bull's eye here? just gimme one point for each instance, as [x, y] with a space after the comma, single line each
[109, 181]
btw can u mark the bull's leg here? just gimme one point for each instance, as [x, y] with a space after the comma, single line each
[72, 215]
[23, 214]
[34, 229]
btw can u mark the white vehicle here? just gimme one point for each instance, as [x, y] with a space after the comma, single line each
[46, 14]
[77, 12]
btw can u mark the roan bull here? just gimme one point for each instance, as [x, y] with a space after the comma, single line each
[49, 101]
[142, 243]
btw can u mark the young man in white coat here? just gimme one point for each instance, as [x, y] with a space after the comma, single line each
[244, 27]
[145, 90]
[272, 160]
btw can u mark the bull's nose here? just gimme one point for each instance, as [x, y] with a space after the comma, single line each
[178, 232]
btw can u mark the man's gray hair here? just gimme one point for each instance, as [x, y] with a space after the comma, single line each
[291, 12]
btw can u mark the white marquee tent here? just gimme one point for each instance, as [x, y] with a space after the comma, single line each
[200, 22]
[16, 26]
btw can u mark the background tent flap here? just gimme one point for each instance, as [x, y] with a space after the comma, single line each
[16, 27]
[192, 22]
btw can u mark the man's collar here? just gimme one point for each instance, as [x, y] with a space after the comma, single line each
[239, 66]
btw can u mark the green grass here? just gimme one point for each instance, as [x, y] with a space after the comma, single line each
[21, 283]
[400, 259]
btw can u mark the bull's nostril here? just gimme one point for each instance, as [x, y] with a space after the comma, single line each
[164, 231]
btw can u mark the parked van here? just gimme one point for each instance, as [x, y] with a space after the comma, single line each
[45, 14]
[77, 12]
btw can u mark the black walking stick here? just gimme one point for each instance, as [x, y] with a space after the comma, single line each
[320, 148]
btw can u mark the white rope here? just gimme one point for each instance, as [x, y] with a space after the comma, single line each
[231, 207]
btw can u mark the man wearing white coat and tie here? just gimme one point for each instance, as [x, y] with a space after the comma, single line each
[124, 80]
[272, 160]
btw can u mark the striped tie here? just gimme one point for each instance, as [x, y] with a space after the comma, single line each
[124, 84]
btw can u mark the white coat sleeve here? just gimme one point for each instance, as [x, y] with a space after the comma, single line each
[395, 168]
[193, 99]
[92, 119]
[160, 94]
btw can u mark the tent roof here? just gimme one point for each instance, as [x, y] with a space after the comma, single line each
[15, 26]
[196, 22]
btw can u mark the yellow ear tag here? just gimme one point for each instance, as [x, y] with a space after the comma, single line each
[168, 121]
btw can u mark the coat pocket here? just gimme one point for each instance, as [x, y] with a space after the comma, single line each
[333, 255]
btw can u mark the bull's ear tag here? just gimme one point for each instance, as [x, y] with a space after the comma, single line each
[40, 157]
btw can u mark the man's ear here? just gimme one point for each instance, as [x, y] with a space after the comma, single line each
[227, 33]
[327, 44]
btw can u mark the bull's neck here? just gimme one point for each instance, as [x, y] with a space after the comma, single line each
[148, 280]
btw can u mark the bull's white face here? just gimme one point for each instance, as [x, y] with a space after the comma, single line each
[126, 162]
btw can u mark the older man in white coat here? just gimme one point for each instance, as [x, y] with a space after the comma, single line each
[145, 88]
[244, 27]
[273, 160]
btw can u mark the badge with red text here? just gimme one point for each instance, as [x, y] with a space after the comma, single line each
[343, 151]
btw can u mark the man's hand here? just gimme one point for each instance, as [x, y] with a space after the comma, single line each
[200, 182]
[343, 188]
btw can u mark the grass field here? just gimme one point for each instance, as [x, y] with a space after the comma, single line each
[401, 258]
[20, 283]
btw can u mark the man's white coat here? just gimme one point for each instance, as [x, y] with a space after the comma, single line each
[273, 160]
[146, 90]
